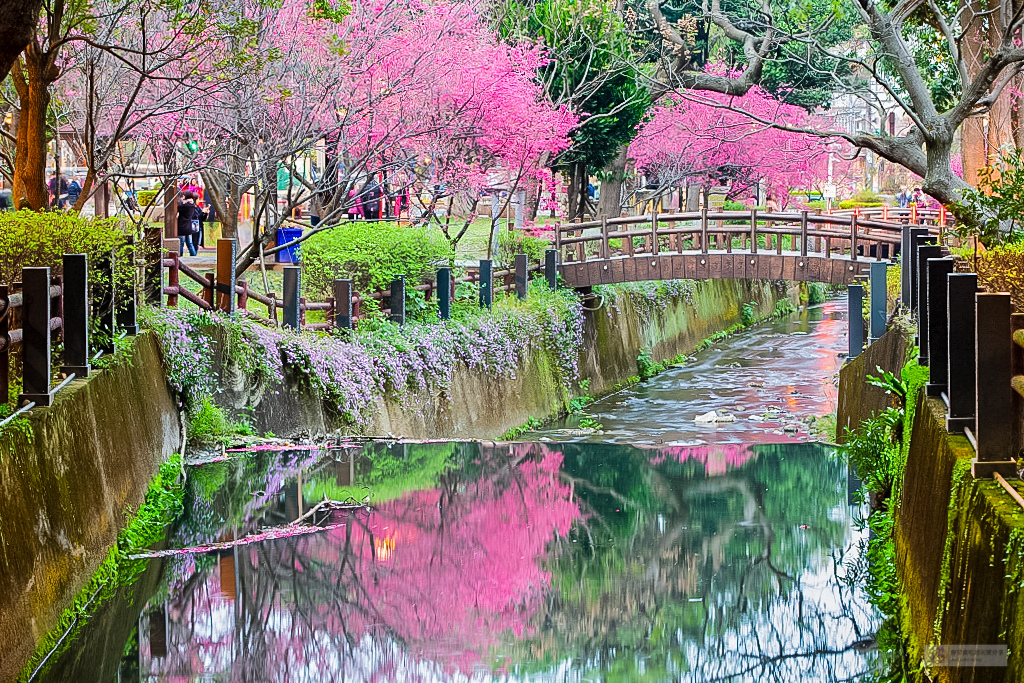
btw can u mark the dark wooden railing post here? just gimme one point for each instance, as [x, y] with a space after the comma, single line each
[939, 271]
[960, 376]
[486, 283]
[993, 436]
[704, 230]
[606, 249]
[855, 312]
[154, 273]
[342, 304]
[753, 231]
[127, 316]
[444, 292]
[522, 276]
[551, 267]
[227, 254]
[879, 298]
[76, 315]
[105, 300]
[398, 300]
[655, 247]
[803, 233]
[291, 312]
[924, 253]
[35, 340]
[853, 237]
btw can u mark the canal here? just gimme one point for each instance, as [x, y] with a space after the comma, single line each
[654, 547]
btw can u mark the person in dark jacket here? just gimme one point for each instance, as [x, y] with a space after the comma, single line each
[188, 224]
[74, 192]
[201, 216]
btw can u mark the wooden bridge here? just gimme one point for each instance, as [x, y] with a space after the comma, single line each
[799, 246]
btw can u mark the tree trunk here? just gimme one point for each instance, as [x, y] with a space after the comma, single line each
[32, 81]
[610, 205]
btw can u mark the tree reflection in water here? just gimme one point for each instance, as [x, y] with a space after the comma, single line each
[551, 562]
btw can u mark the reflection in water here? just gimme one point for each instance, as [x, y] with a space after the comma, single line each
[515, 561]
[768, 378]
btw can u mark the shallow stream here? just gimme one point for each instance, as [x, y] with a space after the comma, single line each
[659, 549]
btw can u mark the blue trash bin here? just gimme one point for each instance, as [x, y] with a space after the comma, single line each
[291, 254]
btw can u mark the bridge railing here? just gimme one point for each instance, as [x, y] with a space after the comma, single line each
[852, 235]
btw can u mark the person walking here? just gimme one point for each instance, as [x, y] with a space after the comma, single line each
[74, 192]
[201, 216]
[188, 225]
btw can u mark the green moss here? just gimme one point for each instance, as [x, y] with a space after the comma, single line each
[514, 433]
[162, 505]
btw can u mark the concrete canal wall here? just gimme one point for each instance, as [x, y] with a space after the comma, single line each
[479, 405]
[959, 542]
[65, 487]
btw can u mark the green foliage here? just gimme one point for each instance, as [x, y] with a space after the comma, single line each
[893, 385]
[162, 505]
[578, 403]
[512, 242]
[646, 366]
[19, 425]
[998, 201]
[210, 425]
[748, 314]
[371, 255]
[390, 476]
[817, 293]
[864, 198]
[783, 307]
[591, 423]
[1001, 269]
[514, 433]
[588, 69]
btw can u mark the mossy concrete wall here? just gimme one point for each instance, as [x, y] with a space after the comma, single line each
[959, 542]
[958, 552]
[64, 492]
[859, 400]
[484, 406]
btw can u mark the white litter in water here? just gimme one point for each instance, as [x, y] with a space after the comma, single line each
[713, 417]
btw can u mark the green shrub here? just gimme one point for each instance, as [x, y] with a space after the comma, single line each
[646, 366]
[515, 242]
[371, 255]
[210, 425]
[747, 314]
[817, 293]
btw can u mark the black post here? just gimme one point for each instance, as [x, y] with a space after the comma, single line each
[127, 318]
[551, 267]
[960, 377]
[521, 275]
[879, 298]
[104, 303]
[398, 300]
[855, 301]
[939, 271]
[35, 340]
[920, 237]
[444, 293]
[291, 310]
[76, 315]
[486, 283]
[993, 436]
[154, 274]
[924, 252]
[343, 304]
[906, 270]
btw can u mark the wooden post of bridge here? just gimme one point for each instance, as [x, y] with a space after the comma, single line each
[961, 354]
[704, 230]
[803, 233]
[993, 433]
[154, 274]
[35, 339]
[606, 249]
[753, 231]
[655, 247]
[76, 315]
[227, 254]
[853, 236]
[173, 281]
